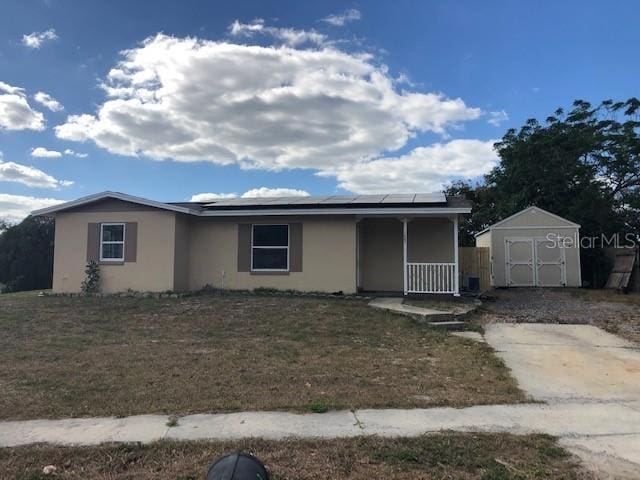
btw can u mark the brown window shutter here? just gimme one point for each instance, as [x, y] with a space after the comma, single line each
[295, 247]
[244, 247]
[130, 241]
[93, 242]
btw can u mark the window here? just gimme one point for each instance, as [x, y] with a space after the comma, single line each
[112, 242]
[270, 247]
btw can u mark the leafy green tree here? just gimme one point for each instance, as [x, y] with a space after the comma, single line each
[26, 254]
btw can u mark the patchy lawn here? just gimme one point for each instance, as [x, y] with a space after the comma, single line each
[440, 456]
[68, 357]
[615, 312]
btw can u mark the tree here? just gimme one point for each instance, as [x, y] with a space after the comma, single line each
[584, 165]
[26, 254]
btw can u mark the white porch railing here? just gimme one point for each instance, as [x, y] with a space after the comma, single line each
[431, 277]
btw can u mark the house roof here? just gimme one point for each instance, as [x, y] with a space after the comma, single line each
[517, 214]
[104, 195]
[330, 200]
[336, 204]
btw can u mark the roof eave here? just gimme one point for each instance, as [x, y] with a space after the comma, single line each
[117, 195]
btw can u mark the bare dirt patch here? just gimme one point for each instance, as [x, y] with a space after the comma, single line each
[446, 455]
[71, 357]
[614, 312]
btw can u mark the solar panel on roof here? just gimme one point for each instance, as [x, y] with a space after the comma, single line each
[311, 200]
[433, 197]
[368, 199]
[339, 199]
[283, 200]
[398, 198]
[226, 202]
[417, 198]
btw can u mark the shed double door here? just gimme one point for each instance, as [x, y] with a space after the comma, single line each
[534, 262]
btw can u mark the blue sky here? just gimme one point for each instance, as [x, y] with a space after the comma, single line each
[320, 97]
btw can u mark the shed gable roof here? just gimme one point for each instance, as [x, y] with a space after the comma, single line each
[554, 220]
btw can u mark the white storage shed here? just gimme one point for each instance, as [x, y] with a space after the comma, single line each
[533, 248]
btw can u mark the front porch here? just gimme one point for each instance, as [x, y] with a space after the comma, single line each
[415, 255]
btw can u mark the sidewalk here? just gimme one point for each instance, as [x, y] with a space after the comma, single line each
[580, 423]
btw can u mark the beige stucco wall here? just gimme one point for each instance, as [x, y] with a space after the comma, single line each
[328, 255]
[153, 269]
[381, 254]
[381, 249]
[177, 252]
[182, 253]
[572, 255]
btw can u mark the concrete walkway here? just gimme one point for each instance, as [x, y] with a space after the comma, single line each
[571, 420]
[452, 319]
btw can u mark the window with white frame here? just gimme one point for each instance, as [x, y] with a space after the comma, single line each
[112, 242]
[270, 247]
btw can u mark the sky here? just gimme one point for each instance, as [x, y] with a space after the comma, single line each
[194, 100]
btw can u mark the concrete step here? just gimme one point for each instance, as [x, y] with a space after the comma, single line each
[448, 325]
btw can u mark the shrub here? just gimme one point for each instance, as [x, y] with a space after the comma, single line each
[318, 406]
[91, 282]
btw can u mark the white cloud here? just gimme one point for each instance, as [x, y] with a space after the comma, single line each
[5, 87]
[37, 39]
[423, 169]
[261, 192]
[42, 152]
[271, 108]
[15, 111]
[339, 20]
[274, 192]
[48, 101]
[210, 197]
[497, 118]
[288, 36]
[14, 208]
[73, 153]
[29, 176]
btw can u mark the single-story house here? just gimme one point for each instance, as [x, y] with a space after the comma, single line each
[391, 243]
[533, 248]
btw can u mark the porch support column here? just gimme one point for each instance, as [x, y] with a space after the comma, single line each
[405, 222]
[456, 280]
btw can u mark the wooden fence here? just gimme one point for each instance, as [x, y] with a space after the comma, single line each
[475, 262]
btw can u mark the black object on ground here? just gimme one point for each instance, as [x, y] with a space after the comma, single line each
[237, 466]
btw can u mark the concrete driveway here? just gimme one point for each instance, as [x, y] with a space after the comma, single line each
[568, 362]
[559, 364]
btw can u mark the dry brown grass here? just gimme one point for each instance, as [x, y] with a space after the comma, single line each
[441, 456]
[69, 357]
[632, 298]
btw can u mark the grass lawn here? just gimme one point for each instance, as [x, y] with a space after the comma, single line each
[440, 456]
[68, 357]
